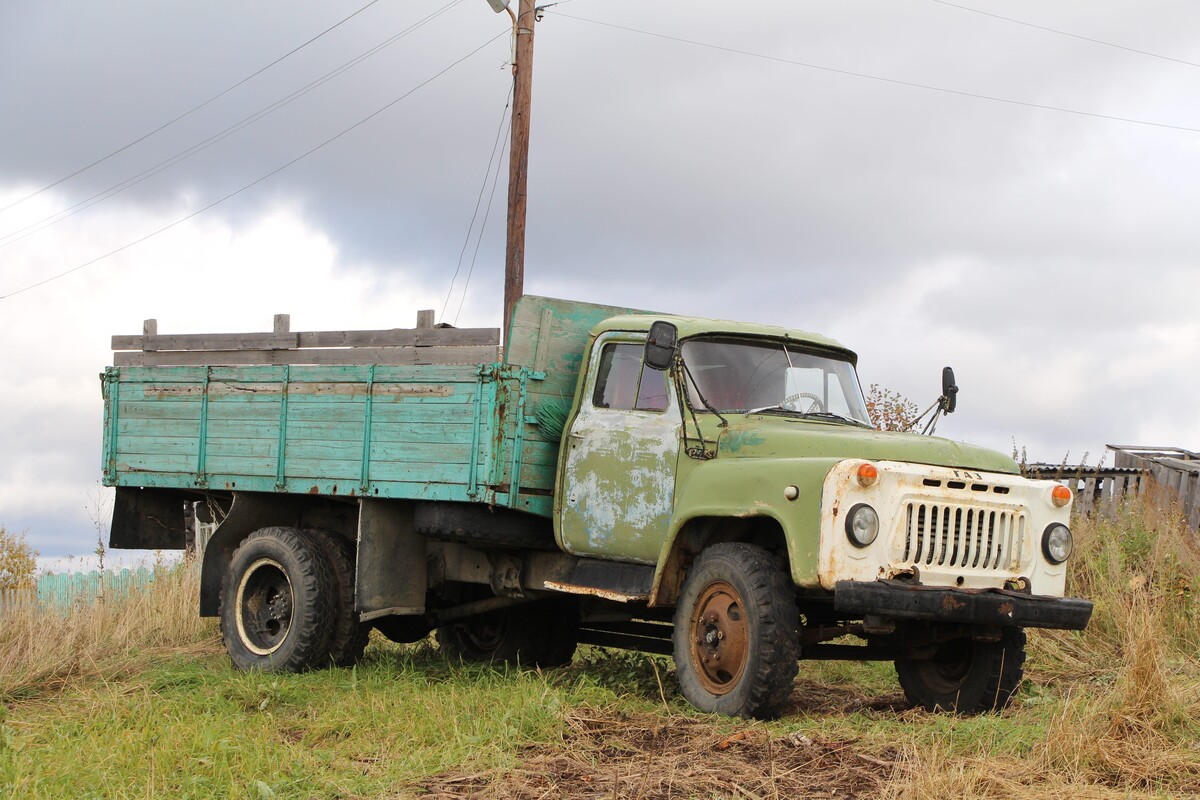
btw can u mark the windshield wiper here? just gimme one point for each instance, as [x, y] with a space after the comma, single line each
[835, 417]
[829, 415]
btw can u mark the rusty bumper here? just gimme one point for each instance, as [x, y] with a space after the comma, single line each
[972, 606]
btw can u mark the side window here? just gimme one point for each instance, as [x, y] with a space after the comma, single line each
[652, 391]
[623, 383]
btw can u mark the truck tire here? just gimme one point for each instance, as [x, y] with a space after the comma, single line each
[349, 637]
[965, 676]
[539, 634]
[403, 629]
[737, 632]
[277, 602]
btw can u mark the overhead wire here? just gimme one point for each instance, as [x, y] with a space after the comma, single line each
[259, 180]
[479, 200]
[53, 219]
[881, 78]
[482, 227]
[1067, 33]
[190, 111]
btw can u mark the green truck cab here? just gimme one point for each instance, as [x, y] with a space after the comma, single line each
[705, 489]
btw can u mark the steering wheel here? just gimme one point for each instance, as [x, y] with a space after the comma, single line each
[804, 402]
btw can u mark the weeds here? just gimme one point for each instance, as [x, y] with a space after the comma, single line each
[44, 651]
[133, 698]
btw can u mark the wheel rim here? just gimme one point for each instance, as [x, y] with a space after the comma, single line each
[720, 637]
[947, 671]
[264, 607]
[485, 633]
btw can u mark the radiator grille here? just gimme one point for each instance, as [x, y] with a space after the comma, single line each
[962, 537]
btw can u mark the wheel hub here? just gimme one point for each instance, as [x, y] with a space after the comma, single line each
[720, 637]
[264, 607]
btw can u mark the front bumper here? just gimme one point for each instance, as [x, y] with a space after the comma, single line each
[897, 600]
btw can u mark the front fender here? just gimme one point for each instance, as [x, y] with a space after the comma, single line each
[740, 488]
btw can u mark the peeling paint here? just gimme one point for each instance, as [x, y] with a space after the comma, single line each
[593, 591]
[619, 480]
[972, 535]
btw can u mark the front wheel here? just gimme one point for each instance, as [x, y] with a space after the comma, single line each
[737, 636]
[965, 676]
[277, 602]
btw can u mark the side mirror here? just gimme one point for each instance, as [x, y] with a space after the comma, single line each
[660, 345]
[949, 391]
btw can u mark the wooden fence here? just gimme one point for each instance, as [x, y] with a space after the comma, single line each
[1173, 468]
[68, 589]
[1099, 488]
[1096, 488]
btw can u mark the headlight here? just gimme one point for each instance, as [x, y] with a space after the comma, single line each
[1057, 543]
[862, 525]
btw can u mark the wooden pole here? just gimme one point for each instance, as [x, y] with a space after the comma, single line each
[518, 161]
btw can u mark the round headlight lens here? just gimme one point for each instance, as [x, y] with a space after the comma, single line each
[862, 525]
[1057, 543]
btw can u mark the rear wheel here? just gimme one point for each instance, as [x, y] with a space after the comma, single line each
[966, 676]
[538, 634]
[277, 602]
[736, 635]
[348, 639]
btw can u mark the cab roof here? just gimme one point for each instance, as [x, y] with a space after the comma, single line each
[696, 326]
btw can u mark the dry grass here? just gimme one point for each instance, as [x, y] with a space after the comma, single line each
[1112, 712]
[609, 753]
[44, 650]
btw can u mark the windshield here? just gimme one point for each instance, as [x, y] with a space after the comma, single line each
[744, 375]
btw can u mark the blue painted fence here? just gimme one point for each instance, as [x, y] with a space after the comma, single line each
[66, 589]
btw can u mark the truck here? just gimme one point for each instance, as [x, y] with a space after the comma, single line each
[708, 490]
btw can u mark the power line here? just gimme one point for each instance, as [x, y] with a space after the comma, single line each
[70, 211]
[190, 111]
[482, 227]
[1067, 33]
[250, 185]
[478, 201]
[882, 79]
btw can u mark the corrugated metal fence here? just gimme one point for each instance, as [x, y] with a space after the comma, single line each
[66, 589]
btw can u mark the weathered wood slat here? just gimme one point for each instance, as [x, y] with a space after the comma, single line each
[349, 373]
[152, 445]
[397, 356]
[394, 337]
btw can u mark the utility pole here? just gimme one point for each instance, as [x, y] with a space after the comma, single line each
[518, 160]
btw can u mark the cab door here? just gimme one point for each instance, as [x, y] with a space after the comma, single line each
[618, 483]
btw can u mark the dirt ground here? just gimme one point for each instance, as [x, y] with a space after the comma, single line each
[608, 754]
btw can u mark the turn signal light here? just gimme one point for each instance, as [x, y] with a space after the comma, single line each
[868, 474]
[1060, 496]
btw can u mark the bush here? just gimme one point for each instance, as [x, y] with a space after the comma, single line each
[890, 411]
[18, 562]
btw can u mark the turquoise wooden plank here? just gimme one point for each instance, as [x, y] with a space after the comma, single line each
[440, 453]
[424, 414]
[240, 448]
[398, 433]
[243, 429]
[418, 471]
[331, 469]
[239, 464]
[158, 427]
[159, 462]
[152, 445]
[345, 450]
[539, 452]
[153, 409]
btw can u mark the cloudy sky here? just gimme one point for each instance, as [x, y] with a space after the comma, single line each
[929, 182]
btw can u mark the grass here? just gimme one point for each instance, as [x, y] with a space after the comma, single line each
[136, 699]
